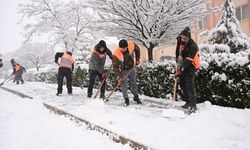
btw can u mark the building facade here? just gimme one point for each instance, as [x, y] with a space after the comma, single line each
[200, 28]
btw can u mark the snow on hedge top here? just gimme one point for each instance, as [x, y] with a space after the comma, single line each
[220, 54]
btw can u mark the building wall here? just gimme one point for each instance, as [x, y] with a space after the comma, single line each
[211, 19]
[165, 50]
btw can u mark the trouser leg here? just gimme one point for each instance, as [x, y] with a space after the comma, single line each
[92, 76]
[132, 83]
[184, 94]
[191, 90]
[125, 84]
[18, 77]
[68, 75]
[60, 77]
[102, 93]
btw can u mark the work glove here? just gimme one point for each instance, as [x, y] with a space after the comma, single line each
[137, 62]
[120, 80]
[56, 62]
[177, 73]
[104, 75]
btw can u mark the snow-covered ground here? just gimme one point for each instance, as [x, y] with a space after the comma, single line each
[31, 126]
[27, 125]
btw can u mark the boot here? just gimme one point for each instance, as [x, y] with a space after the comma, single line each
[102, 96]
[137, 100]
[58, 94]
[192, 109]
[186, 105]
[126, 102]
[89, 95]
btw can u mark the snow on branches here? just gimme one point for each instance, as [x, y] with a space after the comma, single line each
[228, 31]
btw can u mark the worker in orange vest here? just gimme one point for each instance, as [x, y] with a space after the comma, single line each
[66, 67]
[188, 61]
[126, 56]
[17, 71]
[96, 67]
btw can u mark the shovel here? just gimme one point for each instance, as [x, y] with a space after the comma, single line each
[5, 80]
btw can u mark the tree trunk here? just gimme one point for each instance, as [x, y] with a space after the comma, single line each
[66, 45]
[150, 52]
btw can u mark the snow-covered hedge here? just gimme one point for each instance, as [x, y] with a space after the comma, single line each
[48, 75]
[225, 77]
[80, 77]
[156, 80]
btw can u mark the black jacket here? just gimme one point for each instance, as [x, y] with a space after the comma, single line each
[189, 51]
[96, 61]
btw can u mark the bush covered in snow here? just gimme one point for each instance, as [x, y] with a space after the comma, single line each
[225, 77]
[80, 77]
[156, 80]
[227, 30]
[48, 75]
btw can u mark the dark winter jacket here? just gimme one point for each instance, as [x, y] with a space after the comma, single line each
[189, 51]
[126, 61]
[18, 68]
[98, 59]
[59, 55]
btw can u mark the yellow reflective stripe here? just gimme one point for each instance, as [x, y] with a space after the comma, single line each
[190, 59]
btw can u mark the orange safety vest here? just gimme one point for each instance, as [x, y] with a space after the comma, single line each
[99, 54]
[66, 61]
[195, 61]
[118, 51]
[17, 67]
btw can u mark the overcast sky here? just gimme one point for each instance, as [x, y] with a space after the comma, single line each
[10, 32]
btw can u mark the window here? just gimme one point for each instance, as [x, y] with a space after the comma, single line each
[203, 23]
[238, 13]
[242, 12]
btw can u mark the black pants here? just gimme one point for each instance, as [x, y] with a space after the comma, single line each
[92, 76]
[64, 72]
[188, 89]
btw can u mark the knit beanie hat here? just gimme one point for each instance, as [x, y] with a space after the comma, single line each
[186, 32]
[123, 43]
[102, 43]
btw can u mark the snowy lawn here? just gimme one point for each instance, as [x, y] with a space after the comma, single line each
[212, 127]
